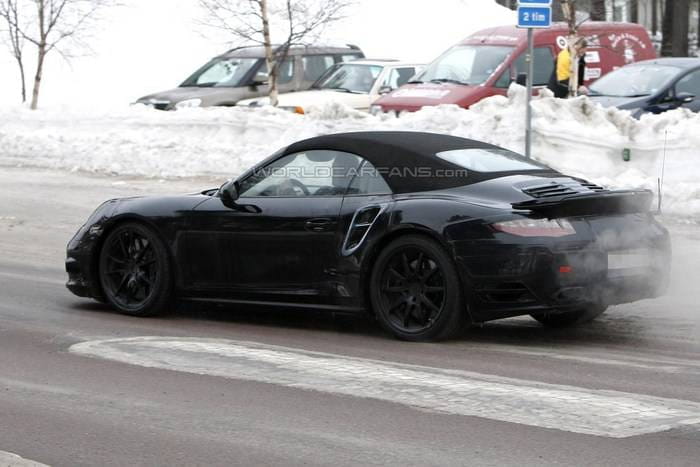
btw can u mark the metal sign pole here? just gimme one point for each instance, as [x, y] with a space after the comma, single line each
[528, 110]
[532, 14]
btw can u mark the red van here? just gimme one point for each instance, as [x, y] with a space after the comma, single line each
[485, 63]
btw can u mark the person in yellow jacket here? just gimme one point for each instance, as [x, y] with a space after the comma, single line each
[559, 81]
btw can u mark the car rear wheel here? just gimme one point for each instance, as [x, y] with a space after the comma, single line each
[134, 271]
[570, 318]
[415, 291]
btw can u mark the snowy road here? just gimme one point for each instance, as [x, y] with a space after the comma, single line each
[81, 385]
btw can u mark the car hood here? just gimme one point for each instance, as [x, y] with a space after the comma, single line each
[209, 96]
[415, 96]
[621, 102]
[313, 97]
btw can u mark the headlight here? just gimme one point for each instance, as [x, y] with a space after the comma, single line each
[375, 109]
[536, 227]
[188, 104]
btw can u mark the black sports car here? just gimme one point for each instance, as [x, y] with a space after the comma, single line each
[427, 231]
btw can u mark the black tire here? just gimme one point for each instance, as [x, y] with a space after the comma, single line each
[415, 291]
[134, 271]
[570, 318]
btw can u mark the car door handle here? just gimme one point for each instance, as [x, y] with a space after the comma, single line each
[319, 224]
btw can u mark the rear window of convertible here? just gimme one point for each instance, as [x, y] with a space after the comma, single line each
[490, 160]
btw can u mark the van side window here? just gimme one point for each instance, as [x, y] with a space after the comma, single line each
[504, 80]
[544, 66]
[346, 57]
[315, 65]
[286, 71]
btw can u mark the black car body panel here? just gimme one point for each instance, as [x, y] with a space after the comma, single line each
[318, 251]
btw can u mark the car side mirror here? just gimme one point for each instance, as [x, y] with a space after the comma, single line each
[229, 193]
[260, 78]
[385, 89]
[521, 79]
[685, 97]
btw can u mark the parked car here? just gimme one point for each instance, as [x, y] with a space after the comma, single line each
[651, 86]
[486, 63]
[242, 73]
[429, 232]
[356, 84]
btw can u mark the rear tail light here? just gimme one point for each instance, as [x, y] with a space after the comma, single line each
[536, 227]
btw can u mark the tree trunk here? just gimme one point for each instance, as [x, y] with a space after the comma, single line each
[568, 8]
[675, 28]
[22, 78]
[557, 10]
[38, 75]
[598, 10]
[667, 30]
[654, 17]
[272, 65]
[41, 54]
[634, 11]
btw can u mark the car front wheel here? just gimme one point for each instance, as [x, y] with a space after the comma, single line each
[134, 271]
[415, 291]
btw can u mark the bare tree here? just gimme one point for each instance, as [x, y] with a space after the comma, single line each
[568, 9]
[56, 26]
[252, 22]
[10, 15]
[675, 28]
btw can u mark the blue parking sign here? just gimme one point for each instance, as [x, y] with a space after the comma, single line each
[534, 16]
[538, 2]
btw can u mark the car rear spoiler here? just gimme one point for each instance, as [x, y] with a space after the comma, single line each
[602, 202]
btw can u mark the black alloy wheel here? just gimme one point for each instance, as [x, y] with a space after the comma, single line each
[134, 271]
[415, 291]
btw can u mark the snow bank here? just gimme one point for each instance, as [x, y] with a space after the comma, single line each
[575, 136]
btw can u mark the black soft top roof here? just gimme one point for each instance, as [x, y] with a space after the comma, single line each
[406, 159]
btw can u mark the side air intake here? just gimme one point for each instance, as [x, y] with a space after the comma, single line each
[360, 226]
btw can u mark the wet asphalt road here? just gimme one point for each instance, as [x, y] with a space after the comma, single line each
[65, 409]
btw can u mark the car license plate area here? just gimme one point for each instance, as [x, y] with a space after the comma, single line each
[629, 262]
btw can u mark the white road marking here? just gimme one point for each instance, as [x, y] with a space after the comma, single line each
[7, 459]
[568, 408]
[583, 355]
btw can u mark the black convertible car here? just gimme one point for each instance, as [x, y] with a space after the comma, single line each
[429, 232]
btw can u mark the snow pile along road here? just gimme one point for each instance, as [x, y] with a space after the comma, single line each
[575, 136]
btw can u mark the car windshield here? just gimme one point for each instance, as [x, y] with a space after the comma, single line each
[466, 64]
[222, 72]
[490, 160]
[355, 78]
[634, 81]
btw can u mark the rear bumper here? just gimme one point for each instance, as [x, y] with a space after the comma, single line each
[513, 280]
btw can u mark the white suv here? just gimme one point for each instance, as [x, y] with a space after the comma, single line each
[356, 84]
